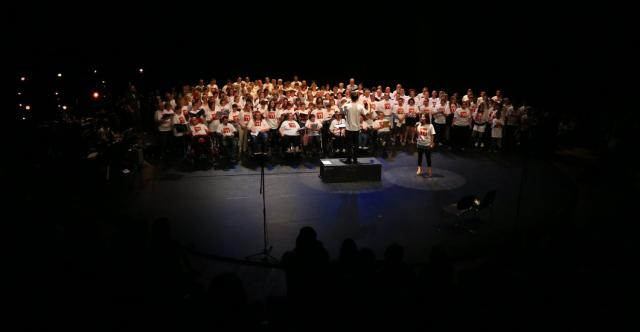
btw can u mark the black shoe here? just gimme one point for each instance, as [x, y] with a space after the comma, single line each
[346, 161]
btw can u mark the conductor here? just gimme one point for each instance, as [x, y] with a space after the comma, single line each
[353, 112]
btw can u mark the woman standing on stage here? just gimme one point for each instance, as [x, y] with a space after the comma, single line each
[426, 142]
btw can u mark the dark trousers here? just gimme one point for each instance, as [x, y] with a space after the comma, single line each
[326, 135]
[165, 142]
[259, 141]
[382, 142]
[352, 144]
[509, 138]
[427, 153]
[228, 143]
[314, 143]
[180, 144]
[274, 139]
[460, 137]
[291, 141]
[441, 131]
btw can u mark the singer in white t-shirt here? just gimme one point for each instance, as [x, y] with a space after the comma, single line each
[314, 127]
[290, 132]
[259, 129]
[337, 129]
[226, 131]
[382, 127]
[425, 142]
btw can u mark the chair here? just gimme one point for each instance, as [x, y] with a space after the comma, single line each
[463, 206]
[487, 202]
[201, 147]
[330, 149]
[466, 206]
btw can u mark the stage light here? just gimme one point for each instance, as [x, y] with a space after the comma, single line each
[141, 70]
[27, 107]
[55, 93]
[19, 105]
[24, 118]
[64, 107]
[104, 82]
[19, 93]
[96, 95]
[23, 78]
[95, 71]
[59, 74]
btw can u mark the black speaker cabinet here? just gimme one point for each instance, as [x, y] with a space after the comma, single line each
[334, 170]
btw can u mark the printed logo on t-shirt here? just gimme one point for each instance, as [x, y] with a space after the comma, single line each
[319, 115]
[292, 124]
[272, 115]
[387, 106]
[463, 114]
[247, 117]
[257, 123]
[226, 130]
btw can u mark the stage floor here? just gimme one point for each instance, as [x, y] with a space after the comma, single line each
[219, 211]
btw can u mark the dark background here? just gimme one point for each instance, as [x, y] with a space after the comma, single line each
[540, 53]
[577, 60]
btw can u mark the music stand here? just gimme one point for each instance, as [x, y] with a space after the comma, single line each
[265, 254]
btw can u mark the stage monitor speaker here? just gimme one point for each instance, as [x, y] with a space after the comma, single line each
[334, 170]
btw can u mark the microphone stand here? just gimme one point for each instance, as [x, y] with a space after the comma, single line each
[264, 255]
